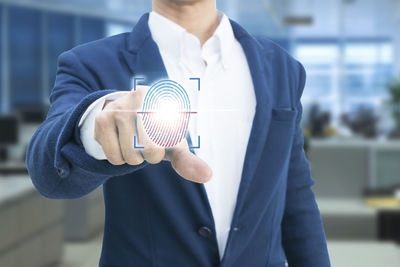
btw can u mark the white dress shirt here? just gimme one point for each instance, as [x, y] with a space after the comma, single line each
[225, 105]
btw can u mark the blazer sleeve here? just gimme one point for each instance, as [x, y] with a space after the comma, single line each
[56, 160]
[303, 235]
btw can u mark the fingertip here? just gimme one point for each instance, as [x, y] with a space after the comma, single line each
[208, 175]
[191, 167]
[204, 176]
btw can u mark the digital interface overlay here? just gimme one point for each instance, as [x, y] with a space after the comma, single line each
[166, 113]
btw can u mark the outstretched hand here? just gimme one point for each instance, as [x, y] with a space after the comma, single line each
[119, 122]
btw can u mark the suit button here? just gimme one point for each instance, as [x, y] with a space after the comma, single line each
[60, 172]
[204, 231]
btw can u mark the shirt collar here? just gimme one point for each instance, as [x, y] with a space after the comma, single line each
[175, 41]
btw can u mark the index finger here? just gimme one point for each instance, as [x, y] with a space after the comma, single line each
[137, 96]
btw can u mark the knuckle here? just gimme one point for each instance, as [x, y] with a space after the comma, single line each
[113, 105]
[154, 160]
[122, 117]
[147, 153]
[102, 119]
[118, 105]
[140, 88]
[115, 161]
[97, 136]
[139, 94]
[135, 161]
[148, 150]
[154, 156]
[132, 158]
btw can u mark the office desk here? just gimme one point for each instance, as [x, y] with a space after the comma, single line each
[13, 168]
[350, 218]
[352, 231]
[363, 254]
[343, 168]
[31, 227]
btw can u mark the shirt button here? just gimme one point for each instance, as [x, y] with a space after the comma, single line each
[204, 231]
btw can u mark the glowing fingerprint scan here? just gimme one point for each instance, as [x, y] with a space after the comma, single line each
[166, 113]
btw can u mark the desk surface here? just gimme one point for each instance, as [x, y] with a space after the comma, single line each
[349, 206]
[13, 168]
[355, 143]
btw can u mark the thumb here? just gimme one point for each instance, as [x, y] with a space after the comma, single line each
[188, 165]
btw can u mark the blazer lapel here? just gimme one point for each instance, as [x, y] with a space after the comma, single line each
[256, 58]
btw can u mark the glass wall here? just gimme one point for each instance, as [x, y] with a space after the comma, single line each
[32, 68]
[345, 76]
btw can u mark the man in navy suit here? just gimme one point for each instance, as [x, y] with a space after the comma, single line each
[243, 199]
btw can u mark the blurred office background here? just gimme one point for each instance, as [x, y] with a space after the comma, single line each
[351, 51]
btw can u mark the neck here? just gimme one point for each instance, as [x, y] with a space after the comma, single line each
[198, 17]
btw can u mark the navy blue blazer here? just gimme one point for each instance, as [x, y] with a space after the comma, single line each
[153, 216]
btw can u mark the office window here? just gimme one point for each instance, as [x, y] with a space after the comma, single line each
[368, 69]
[60, 38]
[114, 28]
[25, 56]
[321, 63]
[341, 78]
[91, 29]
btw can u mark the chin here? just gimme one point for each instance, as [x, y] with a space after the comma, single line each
[185, 1]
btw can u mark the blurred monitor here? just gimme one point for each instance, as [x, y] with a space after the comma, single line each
[8, 134]
[8, 130]
[32, 114]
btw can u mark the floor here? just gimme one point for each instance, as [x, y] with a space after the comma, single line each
[364, 254]
[342, 253]
[82, 254]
